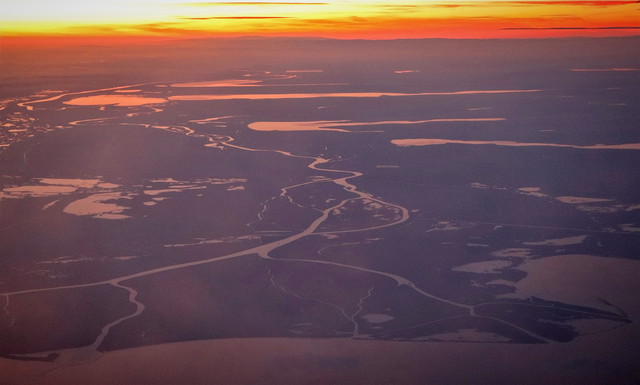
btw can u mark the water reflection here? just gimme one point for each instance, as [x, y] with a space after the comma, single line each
[336, 95]
[433, 142]
[116, 100]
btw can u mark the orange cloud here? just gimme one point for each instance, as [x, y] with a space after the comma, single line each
[601, 3]
[598, 3]
[570, 28]
[346, 19]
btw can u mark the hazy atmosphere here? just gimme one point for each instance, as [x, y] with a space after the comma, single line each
[432, 192]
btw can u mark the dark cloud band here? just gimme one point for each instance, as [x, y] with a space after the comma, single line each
[566, 28]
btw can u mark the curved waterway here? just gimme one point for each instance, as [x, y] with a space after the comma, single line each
[342, 178]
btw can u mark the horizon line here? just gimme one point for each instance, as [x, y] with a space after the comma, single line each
[13, 39]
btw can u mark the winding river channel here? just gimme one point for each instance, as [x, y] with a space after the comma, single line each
[343, 178]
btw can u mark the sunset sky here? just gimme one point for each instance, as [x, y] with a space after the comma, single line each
[325, 18]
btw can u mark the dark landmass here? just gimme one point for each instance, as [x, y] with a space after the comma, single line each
[140, 205]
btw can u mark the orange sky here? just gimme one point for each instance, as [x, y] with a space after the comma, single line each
[326, 18]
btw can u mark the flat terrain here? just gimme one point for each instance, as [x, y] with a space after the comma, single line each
[311, 202]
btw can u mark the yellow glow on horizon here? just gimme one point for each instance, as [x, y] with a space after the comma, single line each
[328, 18]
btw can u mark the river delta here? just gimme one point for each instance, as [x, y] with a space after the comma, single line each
[403, 201]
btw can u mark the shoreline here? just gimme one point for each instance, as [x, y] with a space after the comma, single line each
[599, 358]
